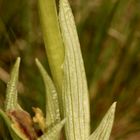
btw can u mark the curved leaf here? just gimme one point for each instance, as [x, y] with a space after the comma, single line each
[52, 106]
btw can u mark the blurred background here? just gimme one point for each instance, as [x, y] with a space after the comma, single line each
[109, 33]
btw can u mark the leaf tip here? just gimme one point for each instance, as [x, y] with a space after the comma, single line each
[113, 106]
[36, 60]
[18, 59]
[17, 63]
[38, 63]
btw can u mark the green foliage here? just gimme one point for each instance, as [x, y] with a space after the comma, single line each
[54, 132]
[74, 90]
[110, 42]
[73, 93]
[52, 106]
[11, 94]
[52, 38]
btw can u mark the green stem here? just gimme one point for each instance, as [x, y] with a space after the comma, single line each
[52, 38]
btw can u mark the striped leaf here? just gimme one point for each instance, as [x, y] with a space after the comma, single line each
[74, 90]
[11, 93]
[52, 106]
[53, 133]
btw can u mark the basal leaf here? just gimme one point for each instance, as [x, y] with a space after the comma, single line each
[104, 129]
[52, 106]
[11, 93]
[75, 93]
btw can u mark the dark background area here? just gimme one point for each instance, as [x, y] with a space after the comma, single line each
[109, 33]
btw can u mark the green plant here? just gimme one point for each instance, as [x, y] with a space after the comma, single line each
[67, 102]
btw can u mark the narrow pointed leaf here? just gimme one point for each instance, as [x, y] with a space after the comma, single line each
[54, 132]
[11, 93]
[52, 38]
[104, 129]
[75, 93]
[52, 106]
